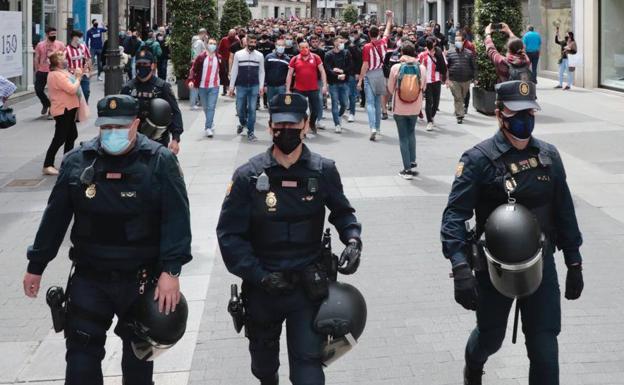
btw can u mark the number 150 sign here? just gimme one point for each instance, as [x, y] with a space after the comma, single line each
[11, 57]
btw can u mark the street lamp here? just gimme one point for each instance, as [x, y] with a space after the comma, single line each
[112, 69]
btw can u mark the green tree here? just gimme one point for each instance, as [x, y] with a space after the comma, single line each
[350, 13]
[494, 11]
[188, 17]
[245, 12]
[231, 16]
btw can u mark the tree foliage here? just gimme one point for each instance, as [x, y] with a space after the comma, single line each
[245, 12]
[350, 13]
[231, 16]
[188, 17]
[494, 11]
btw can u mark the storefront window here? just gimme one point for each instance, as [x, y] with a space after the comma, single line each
[611, 44]
[13, 44]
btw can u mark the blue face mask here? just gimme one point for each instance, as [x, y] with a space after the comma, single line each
[521, 125]
[279, 49]
[115, 141]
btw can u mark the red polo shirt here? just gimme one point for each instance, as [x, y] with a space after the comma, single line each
[306, 72]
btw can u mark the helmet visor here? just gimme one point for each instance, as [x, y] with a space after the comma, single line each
[335, 348]
[148, 350]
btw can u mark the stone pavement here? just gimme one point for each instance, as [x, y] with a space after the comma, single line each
[415, 332]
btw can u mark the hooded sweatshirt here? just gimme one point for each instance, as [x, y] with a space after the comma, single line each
[501, 62]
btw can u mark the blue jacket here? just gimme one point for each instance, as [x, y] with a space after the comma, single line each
[94, 38]
[533, 41]
[479, 188]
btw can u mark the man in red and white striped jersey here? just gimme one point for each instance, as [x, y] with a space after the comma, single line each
[433, 59]
[78, 56]
[205, 77]
[372, 76]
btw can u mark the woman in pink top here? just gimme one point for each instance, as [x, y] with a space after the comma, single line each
[63, 88]
[406, 114]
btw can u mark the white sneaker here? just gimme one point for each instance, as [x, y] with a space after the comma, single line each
[99, 78]
[209, 133]
[338, 129]
[429, 126]
[373, 135]
[379, 132]
[351, 118]
[194, 108]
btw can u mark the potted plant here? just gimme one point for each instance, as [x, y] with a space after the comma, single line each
[486, 12]
[188, 17]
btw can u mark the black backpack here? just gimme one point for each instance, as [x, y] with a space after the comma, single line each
[522, 72]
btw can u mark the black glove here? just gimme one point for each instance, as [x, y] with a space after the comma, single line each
[276, 284]
[574, 282]
[350, 255]
[465, 287]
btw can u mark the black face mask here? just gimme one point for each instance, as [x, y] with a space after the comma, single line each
[52, 38]
[143, 71]
[287, 139]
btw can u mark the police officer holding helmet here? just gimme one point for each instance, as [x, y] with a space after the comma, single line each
[270, 232]
[159, 122]
[513, 166]
[127, 197]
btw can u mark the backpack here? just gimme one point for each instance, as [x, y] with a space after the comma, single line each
[520, 73]
[408, 82]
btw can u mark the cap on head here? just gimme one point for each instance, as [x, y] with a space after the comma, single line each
[145, 57]
[288, 108]
[118, 110]
[517, 95]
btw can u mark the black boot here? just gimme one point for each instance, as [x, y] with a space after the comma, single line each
[472, 376]
[274, 380]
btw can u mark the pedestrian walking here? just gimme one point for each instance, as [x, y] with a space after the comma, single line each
[355, 50]
[390, 58]
[434, 61]
[532, 203]
[276, 66]
[406, 84]
[285, 275]
[515, 64]
[533, 43]
[265, 46]
[568, 47]
[247, 76]
[130, 237]
[78, 56]
[337, 66]
[43, 50]
[197, 47]
[164, 57]
[95, 39]
[462, 70]
[224, 51]
[204, 75]
[131, 44]
[306, 67]
[316, 49]
[469, 46]
[64, 89]
[371, 76]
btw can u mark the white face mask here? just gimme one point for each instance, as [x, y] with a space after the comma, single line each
[459, 44]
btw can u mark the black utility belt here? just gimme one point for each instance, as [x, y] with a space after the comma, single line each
[139, 275]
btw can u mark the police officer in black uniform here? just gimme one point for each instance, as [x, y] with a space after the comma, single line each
[269, 233]
[513, 163]
[127, 197]
[147, 86]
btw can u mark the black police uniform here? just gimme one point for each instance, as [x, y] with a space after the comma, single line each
[537, 177]
[154, 88]
[279, 229]
[131, 216]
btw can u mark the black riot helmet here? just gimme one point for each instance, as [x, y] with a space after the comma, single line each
[159, 114]
[342, 318]
[155, 332]
[513, 247]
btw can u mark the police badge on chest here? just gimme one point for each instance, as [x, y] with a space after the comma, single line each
[271, 201]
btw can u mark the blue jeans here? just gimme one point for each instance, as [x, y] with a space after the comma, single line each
[208, 98]
[339, 96]
[84, 86]
[246, 99]
[96, 57]
[272, 91]
[563, 67]
[373, 106]
[319, 113]
[406, 125]
[194, 96]
[353, 92]
[85, 338]
[266, 313]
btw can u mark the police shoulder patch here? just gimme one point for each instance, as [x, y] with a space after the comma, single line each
[459, 170]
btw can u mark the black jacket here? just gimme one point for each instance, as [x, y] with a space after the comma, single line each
[355, 49]
[275, 69]
[342, 60]
[461, 66]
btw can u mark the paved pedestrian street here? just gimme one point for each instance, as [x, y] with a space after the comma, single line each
[415, 332]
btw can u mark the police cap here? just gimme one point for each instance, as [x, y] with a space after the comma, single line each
[145, 57]
[517, 95]
[119, 110]
[288, 108]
